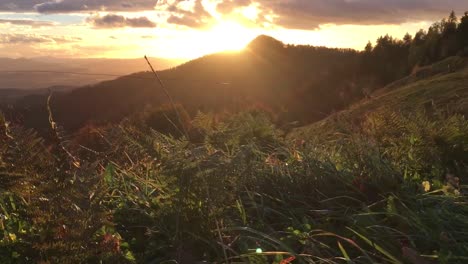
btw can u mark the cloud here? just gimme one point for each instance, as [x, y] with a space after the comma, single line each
[297, 14]
[118, 21]
[64, 6]
[309, 14]
[196, 18]
[24, 22]
[67, 6]
[185, 21]
[36, 39]
[18, 6]
[227, 6]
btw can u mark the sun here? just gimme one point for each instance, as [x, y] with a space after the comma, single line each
[221, 36]
[228, 36]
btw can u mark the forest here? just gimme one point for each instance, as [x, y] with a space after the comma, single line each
[276, 154]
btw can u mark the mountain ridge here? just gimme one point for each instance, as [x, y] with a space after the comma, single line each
[294, 83]
[283, 78]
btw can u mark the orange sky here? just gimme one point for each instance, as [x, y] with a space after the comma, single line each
[187, 29]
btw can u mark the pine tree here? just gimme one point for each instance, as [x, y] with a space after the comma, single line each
[462, 31]
[368, 48]
[407, 39]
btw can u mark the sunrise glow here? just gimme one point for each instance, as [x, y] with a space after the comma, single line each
[228, 35]
[187, 29]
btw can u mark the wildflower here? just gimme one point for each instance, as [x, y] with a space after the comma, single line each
[12, 237]
[288, 260]
[426, 186]
[297, 156]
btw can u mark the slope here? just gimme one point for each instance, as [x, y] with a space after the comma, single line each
[442, 87]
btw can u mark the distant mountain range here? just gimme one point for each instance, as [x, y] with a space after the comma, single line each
[19, 73]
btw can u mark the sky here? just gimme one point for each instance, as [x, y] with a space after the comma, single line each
[187, 29]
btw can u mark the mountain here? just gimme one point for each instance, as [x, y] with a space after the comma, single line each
[19, 73]
[295, 83]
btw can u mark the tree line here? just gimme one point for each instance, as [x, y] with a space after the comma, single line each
[392, 58]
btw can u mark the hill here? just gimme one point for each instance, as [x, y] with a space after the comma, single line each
[292, 82]
[438, 87]
[382, 182]
[302, 83]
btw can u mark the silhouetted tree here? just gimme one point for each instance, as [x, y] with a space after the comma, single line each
[449, 38]
[368, 49]
[407, 39]
[417, 49]
[462, 31]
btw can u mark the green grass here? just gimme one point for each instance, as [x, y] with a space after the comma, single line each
[384, 182]
[447, 92]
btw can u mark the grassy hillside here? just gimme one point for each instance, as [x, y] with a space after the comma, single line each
[439, 87]
[392, 193]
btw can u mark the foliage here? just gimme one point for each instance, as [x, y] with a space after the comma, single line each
[388, 189]
[216, 202]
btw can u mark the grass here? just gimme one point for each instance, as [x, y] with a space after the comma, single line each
[384, 182]
[446, 92]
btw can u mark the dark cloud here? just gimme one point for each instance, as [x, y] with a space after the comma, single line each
[35, 39]
[309, 14]
[196, 18]
[66, 6]
[23, 22]
[300, 14]
[117, 21]
[19, 5]
[63, 6]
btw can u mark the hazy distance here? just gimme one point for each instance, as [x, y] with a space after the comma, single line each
[44, 72]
